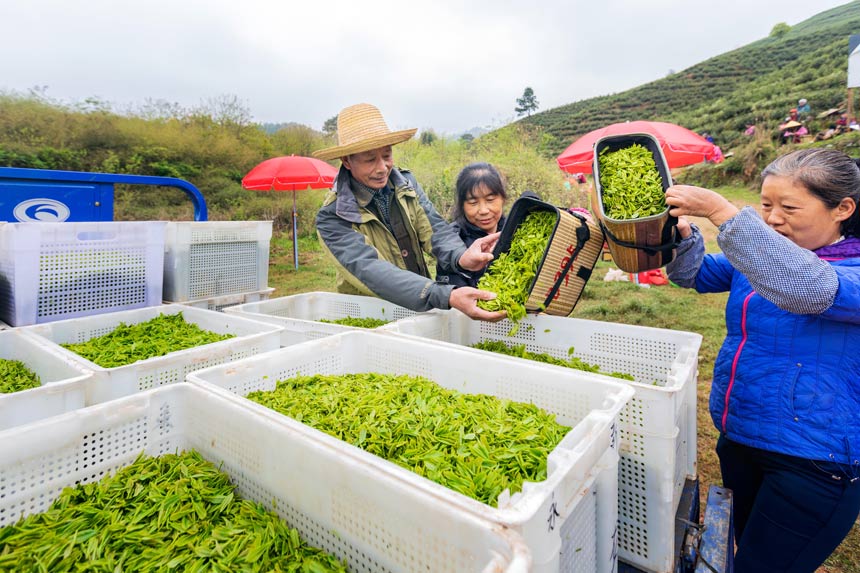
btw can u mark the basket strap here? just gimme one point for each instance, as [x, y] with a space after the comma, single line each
[583, 234]
[650, 250]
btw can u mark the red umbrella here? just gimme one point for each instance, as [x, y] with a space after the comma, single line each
[680, 145]
[290, 173]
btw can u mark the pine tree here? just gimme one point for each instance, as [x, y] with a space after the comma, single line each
[528, 103]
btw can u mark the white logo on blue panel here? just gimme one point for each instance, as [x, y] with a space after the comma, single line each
[41, 210]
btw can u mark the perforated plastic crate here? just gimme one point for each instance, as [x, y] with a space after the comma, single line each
[251, 337]
[62, 382]
[219, 303]
[205, 259]
[374, 522]
[299, 314]
[542, 510]
[54, 271]
[658, 425]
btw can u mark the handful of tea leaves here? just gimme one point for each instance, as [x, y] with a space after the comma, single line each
[357, 322]
[167, 513]
[631, 184]
[474, 444]
[15, 376]
[129, 343]
[519, 350]
[511, 275]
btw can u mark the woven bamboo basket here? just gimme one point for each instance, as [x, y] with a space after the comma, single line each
[636, 244]
[570, 256]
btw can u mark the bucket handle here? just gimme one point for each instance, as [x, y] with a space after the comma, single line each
[650, 250]
[583, 234]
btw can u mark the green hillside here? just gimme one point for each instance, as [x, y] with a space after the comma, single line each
[757, 83]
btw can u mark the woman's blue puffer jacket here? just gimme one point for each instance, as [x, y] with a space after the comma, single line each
[788, 382]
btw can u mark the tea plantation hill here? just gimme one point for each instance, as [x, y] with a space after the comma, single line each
[757, 83]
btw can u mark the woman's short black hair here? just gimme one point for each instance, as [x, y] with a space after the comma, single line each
[829, 175]
[471, 177]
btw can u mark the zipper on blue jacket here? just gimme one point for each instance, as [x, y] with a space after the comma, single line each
[736, 359]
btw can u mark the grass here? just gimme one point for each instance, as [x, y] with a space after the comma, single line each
[621, 302]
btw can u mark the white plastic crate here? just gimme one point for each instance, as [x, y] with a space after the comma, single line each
[541, 511]
[251, 337]
[54, 271]
[299, 314]
[62, 382]
[219, 303]
[658, 425]
[347, 508]
[205, 259]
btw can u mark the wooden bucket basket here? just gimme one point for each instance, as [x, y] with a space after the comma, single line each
[636, 244]
[570, 256]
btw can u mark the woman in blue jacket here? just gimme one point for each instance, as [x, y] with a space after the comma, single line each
[786, 388]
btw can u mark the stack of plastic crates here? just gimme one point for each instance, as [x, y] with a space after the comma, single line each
[250, 338]
[568, 520]
[347, 508]
[300, 315]
[217, 264]
[658, 425]
[55, 271]
[62, 381]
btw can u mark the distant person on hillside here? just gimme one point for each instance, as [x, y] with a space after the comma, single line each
[792, 115]
[803, 108]
[718, 155]
[790, 136]
[785, 394]
[826, 134]
[377, 223]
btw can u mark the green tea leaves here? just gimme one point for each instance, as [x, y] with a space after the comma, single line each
[357, 322]
[173, 512]
[511, 275]
[15, 376]
[126, 344]
[519, 351]
[631, 186]
[477, 445]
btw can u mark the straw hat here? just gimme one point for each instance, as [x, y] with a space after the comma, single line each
[360, 128]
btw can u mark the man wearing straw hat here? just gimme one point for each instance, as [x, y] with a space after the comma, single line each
[377, 223]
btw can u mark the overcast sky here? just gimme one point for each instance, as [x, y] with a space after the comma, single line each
[447, 65]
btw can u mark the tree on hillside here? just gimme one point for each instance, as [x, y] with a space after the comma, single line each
[528, 103]
[159, 109]
[428, 136]
[330, 126]
[226, 110]
[780, 30]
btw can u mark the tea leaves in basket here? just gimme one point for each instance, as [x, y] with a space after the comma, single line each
[519, 350]
[477, 445]
[510, 276]
[631, 186]
[128, 343]
[175, 512]
[357, 322]
[15, 376]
